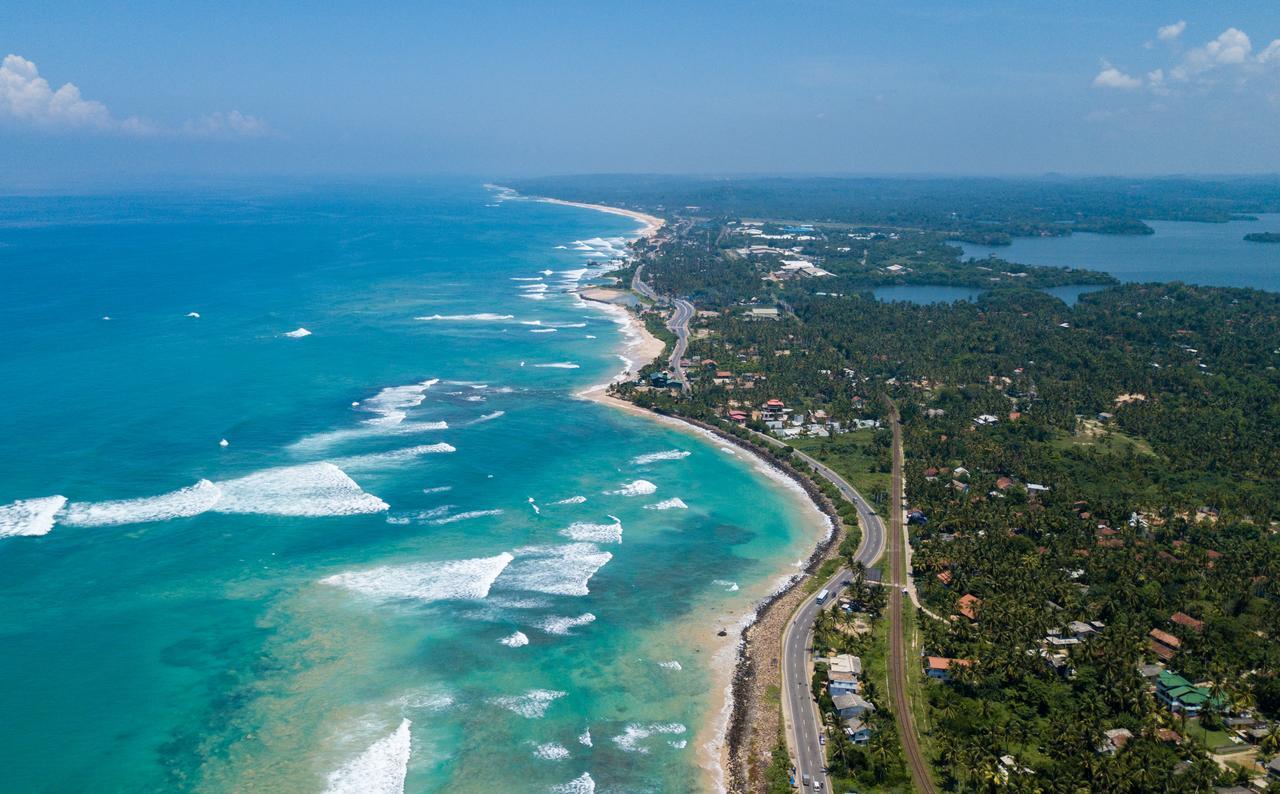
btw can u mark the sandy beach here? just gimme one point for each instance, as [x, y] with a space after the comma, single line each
[744, 615]
[652, 223]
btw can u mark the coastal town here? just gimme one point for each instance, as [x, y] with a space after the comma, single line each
[748, 367]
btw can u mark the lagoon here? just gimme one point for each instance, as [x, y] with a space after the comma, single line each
[1212, 254]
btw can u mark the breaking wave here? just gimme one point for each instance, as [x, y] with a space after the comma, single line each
[480, 317]
[454, 580]
[376, 460]
[558, 365]
[531, 705]
[630, 740]
[551, 751]
[594, 533]
[572, 500]
[517, 640]
[297, 333]
[582, 784]
[555, 570]
[309, 490]
[182, 503]
[466, 515]
[654, 457]
[379, 770]
[636, 488]
[675, 503]
[30, 517]
[561, 625]
[671, 665]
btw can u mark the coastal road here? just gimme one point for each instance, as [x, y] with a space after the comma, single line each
[638, 286]
[679, 325]
[900, 664]
[800, 712]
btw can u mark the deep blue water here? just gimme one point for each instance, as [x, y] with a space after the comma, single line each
[411, 520]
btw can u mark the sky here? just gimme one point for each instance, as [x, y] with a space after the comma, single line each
[119, 92]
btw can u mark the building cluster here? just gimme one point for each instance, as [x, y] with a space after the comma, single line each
[785, 422]
[844, 685]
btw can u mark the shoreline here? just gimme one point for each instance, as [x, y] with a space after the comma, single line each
[738, 659]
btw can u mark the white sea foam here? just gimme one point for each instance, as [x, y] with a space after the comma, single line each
[450, 580]
[671, 665]
[438, 489]
[582, 784]
[572, 500]
[551, 751]
[517, 640]
[381, 769]
[389, 407]
[526, 278]
[426, 700]
[635, 488]
[479, 317]
[555, 570]
[584, 738]
[378, 460]
[182, 503]
[542, 330]
[297, 333]
[531, 705]
[679, 744]
[594, 533]
[489, 417]
[562, 625]
[654, 457]
[466, 515]
[195, 315]
[558, 365]
[634, 734]
[312, 489]
[309, 490]
[30, 516]
[674, 503]
[503, 602]
[731, 587]
[538, 287]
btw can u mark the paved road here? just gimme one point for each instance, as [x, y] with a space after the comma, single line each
[899, 662]
[679, 325]
[800, 712]
[638, 285]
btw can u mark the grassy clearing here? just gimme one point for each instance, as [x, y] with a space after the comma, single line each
[854, 456]
[1092, 434]
[1210, 739]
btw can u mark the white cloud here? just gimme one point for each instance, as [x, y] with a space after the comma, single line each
[1231, 47]
[227, 125]
[1111, 77]
[27, 98]
[1227, 60]
[1271, 54]
[1171, 32]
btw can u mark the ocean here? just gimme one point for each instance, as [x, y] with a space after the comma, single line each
[296, 495]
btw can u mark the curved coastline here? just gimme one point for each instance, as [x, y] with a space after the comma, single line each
[738, 661]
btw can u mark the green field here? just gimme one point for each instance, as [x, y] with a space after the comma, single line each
[854, 456]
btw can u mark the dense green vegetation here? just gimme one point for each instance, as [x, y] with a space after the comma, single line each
[1112, 462]
[987, 211]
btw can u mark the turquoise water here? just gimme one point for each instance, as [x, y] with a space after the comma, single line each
[412, 519]
[1213, 254]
